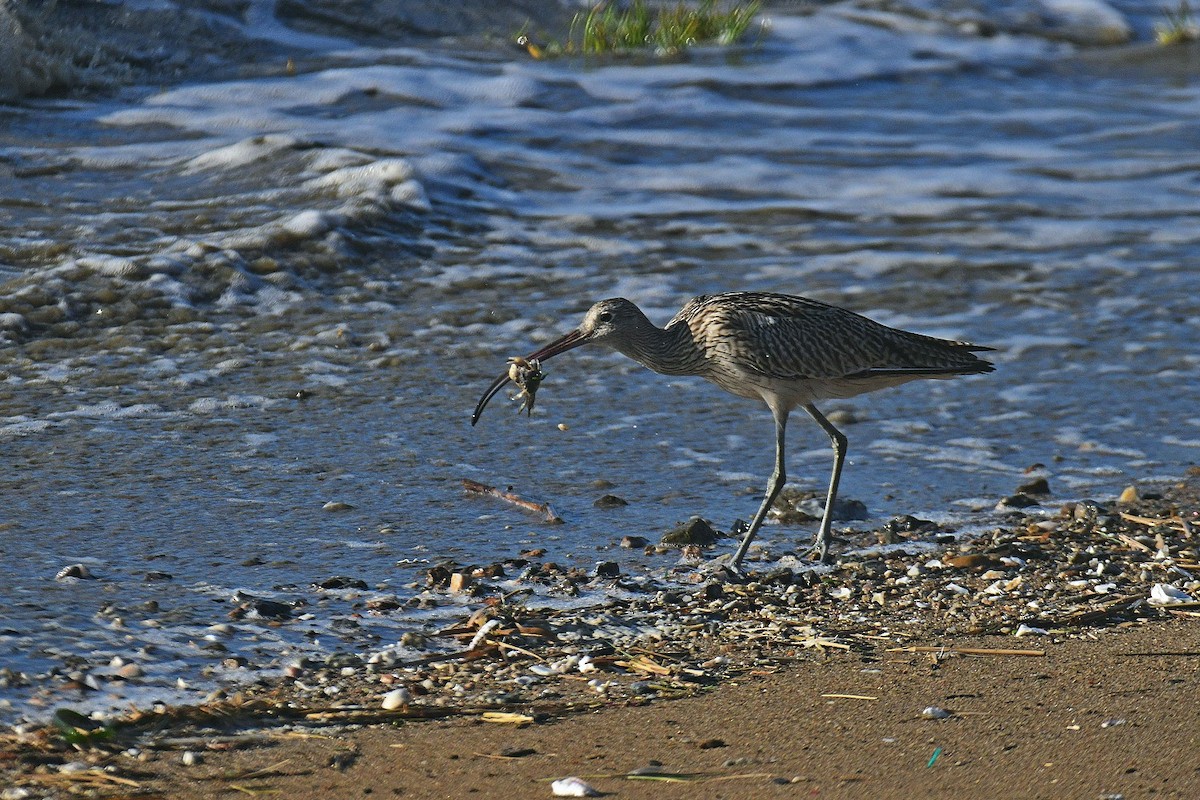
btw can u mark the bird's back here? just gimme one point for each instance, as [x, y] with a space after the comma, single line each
[822, 350]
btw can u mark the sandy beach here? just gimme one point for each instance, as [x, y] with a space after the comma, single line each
[862, 702]
[1109, 714]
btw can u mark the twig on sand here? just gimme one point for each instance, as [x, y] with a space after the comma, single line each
[850, 696]
[967, 651]
[475, 487]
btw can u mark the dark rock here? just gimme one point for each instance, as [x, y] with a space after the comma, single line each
[712, 744]
[897, 529]
[390, 603]
[1018, 500]
[250, 606]
[634, 542]
[1037, 486]
[781, 576]
[341, 582]
[155, 575]
[608, 569]
[695, 531]
[610, 501]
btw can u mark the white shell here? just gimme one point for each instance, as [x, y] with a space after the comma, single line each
[1164, 594]
[572, 787]
[1029, 630]
[933, 712]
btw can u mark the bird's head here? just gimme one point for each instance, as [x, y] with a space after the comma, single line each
[609, 322]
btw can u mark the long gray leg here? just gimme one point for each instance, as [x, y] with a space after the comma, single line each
[839, 457]
[778, 478]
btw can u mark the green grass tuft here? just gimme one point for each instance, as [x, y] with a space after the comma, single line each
[611, 27]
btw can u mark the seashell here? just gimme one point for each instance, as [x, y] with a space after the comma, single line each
[934, 712]
[1029, 630]
[572, 787]
[1164, 594]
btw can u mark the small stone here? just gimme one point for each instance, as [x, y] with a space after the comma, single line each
[336, 505]
[634, 542]
[396, 698]
[695, 531]
[608, 569]
[1017, 500]
[934, 712]
[341, 582]
[155, 575]
[610, 501]
[129, 671]
[973, 561]
[459, 581]
[712, 744]
[191, 758]
[1035, 486]
[1130, 495]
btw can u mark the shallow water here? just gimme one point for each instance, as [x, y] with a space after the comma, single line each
[228, 304]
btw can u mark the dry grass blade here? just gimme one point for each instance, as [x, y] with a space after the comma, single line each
[850, 696]
[967, 651]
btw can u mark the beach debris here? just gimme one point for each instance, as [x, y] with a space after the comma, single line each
[1164, 594]
[1030, 630]
[937, 751]
[507, 718]
[475, 487]
[528, 376]
[573, 787]
[935, 712]
[1112, 723]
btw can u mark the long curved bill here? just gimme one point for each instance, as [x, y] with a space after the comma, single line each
[560, 345]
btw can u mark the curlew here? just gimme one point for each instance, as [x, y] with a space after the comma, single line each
[784, 350]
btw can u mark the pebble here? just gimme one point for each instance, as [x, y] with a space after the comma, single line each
[191, 758]
[934, 712]
[396, 698]
[336, 505]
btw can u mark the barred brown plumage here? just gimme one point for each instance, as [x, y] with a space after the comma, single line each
[785, 350]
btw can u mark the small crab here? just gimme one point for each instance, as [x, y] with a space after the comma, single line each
[527, 375]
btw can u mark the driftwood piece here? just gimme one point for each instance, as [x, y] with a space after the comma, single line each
[475, 487]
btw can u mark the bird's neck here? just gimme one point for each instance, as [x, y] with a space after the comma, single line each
[668, 351]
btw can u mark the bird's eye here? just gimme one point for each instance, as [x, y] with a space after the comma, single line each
[605, 316]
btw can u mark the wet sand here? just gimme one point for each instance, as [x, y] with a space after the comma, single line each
[1111, 714]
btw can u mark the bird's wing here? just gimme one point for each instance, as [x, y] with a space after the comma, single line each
[795, 338]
